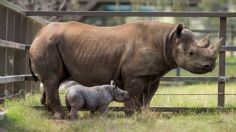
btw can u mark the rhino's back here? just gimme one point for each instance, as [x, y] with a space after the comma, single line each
[93, 55]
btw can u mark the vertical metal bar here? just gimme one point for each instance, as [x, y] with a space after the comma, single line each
[221, 84]
[178, 71]
[3, 14]
[232, 40]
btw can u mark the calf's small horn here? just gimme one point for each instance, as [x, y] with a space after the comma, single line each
[112, 83]
[203, 43]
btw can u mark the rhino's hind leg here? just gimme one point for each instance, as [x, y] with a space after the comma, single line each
[73, 113]
[49, 67]
[75, 107]
[52, 98]
[76, 103]
[43, 101]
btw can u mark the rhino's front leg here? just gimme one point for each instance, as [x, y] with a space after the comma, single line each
[148, 92]
[52, 98]
[135, 88]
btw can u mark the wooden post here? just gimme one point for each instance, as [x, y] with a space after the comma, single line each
[9, 60]
[3, 13]
[28, 41]
[221, 84]
[23, 37]
[19, 55]
[35, 29]
[31, 37]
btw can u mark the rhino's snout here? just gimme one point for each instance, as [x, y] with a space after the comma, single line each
[207, 67]
[204, 68]
[126, 94]
[122, 96]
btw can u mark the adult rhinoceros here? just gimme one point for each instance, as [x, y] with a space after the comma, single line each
[137, 55]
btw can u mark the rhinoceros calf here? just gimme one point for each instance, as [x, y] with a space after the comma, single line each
[95, 98]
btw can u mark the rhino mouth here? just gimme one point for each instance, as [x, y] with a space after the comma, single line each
[202, 70]
[199, 69]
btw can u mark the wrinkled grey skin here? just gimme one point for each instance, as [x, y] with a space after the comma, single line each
[136, 54]
[95, 98]
[63, 86]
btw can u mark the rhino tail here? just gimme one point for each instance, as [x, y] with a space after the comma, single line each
[32, 73]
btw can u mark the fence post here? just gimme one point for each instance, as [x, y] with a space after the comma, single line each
[221, 84]
[9, 60]
[3, 14]
[35, 28]
[28, 84]
[23, 36]
[19, 54]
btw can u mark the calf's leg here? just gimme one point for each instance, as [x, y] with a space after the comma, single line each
[73, 113]
[103, 110]
[76, 103]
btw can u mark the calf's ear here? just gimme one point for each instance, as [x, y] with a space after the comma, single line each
[112, 83]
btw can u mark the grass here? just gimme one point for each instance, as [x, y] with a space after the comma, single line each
[193, 100]
[21, 118]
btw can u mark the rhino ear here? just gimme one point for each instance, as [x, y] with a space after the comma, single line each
[179, 29]
[176, 31]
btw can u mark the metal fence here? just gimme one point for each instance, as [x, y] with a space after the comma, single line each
[20, 28]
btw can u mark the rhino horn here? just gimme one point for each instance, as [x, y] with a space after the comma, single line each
[215, 48]
[203, 43]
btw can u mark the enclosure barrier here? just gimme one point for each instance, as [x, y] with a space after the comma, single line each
[223, 17]
[27, 31]
[16, 30]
